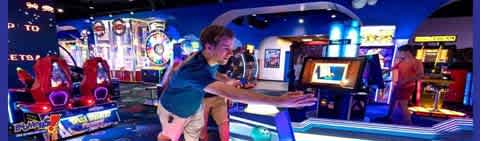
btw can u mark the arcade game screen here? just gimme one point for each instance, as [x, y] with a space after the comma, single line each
[333, 72]
[329, 73]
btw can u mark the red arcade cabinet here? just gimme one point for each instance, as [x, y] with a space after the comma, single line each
[51, 88]
[96, 83]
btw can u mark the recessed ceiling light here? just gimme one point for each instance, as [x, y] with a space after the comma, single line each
[131, 12]
[254, 15]
[266, 21]
[300, 21]
[91, 17]
[329, 9]
[59, 10]
[91, 7]
[333, 16]
[110, 15]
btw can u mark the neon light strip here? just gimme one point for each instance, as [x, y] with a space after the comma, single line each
[376, 128]
[244, 66]
[384, 128]
[10, 116]
[309, 137]
[466, 94]
[391, 73]
[256, 64]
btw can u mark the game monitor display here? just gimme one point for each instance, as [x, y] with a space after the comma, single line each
[333, 72]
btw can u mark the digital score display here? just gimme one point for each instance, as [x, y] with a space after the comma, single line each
[333, 72]
[31, 35]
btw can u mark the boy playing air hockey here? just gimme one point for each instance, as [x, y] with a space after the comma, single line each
[180, 106]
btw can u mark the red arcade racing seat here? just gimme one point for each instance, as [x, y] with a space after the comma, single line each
[96, 82]
[52, 86]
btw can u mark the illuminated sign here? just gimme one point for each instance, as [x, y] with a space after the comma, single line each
[157, 25]
[377, 35]
[11, 25]
[339, 42]
[47, 124]
[31, 5]
[119, 27]
[89, 119]
[27, 27]
[444, 38]
[36, 6]
[48, 8]
[23, 57]
[31, 27]
[99, 28]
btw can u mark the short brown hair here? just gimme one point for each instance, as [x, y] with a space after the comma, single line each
[213, 33]
[408, 48]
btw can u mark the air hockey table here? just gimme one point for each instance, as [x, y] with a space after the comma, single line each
[268, 123]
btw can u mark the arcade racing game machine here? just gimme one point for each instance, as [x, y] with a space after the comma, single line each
[47, 108]
[436, 53]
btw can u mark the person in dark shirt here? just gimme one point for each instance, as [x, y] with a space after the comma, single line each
[180, 106]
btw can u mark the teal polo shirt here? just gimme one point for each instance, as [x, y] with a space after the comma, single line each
[184, 93]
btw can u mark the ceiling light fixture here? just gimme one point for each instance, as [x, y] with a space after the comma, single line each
[300, 21]
[91, 7]
[333, 16]
[59, 10]
[131, 12]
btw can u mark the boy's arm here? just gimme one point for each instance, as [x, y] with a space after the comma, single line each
[291, 99]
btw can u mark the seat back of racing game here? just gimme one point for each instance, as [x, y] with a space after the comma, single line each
[96, 84]
[51, 88]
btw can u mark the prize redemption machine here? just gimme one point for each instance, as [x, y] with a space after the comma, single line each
[436, 54]
[46, 106]
[159, 58]
[341, 84]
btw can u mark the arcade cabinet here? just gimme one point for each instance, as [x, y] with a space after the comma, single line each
[379, 40]
[436, 54]
[159, 54]
[49, 103]
[338, 83]
[96, 87]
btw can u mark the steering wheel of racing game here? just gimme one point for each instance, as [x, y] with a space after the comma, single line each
[157, 49]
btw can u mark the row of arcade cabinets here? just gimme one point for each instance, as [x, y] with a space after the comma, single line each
[445, 81]
[131, 45]
[51, 107]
